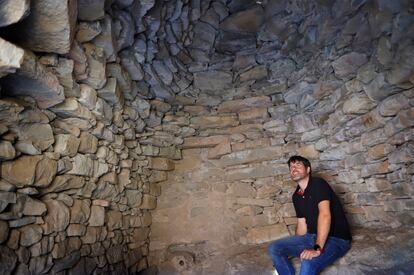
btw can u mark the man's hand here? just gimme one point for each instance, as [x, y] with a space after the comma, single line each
[308, 254]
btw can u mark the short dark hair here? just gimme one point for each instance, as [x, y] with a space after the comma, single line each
[305, 161]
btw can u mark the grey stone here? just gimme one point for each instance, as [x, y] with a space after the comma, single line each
[33, 207]
[123, 79]
[131, 65]
[11, 57]
[4, 231]
[393, 104]
[8, 260]
[134, 197]
[202, 80]
[248, 20]
[348, 64]
[22, 222]
[57, 217]
[71, 108]
[80, 211]
[88, 143]
[88, 31]
[82, 165]
[33, 79]
[66, 145]
[358, 104]
[66, 262]
[97, 216]
[36, 33]
[127, 29]
[91, 10]
[96, 77]
[88, 96]
[41, 264]
[12, 11]
[64, 182]
[106, 39]
[112, 93]
[30, 234]
[232, 42]
[379, 89]
[7, 150]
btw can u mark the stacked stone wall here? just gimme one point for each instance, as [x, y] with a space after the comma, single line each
[137, 133]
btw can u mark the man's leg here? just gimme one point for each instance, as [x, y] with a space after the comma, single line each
[281, 249]
[333, 250]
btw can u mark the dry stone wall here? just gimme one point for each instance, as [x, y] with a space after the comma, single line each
[111, 109]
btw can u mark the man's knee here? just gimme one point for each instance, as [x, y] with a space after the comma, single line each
[275, 248]
[309, 267]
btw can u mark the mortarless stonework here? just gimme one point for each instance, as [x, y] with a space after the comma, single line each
[159, 136]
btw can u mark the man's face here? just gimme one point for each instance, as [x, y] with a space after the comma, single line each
[298, 171]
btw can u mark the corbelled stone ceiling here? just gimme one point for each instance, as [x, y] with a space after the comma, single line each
[151, 136]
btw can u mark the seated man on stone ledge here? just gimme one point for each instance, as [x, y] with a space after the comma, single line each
[322, 232]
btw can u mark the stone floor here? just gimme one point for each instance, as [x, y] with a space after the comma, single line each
[374, 251]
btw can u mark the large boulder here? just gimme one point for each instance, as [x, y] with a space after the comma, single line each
[50, 26]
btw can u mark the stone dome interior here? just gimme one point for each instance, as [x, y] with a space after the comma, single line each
[151, 136]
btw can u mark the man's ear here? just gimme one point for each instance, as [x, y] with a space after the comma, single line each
[308, 169]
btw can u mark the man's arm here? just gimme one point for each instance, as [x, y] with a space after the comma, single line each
[301, 227]
[324, 222]
[324, 225]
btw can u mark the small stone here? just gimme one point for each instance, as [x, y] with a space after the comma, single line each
[57, 217]
[66, 145]
[88, 143]
[96, 77]
[97, 216]
[33, 207]
[88, 96]
[30, 234]
[82, 165]
[134, 197]
[7, 150]
[4, 231]
[88, 31]
[80, 211]
[222, 80]
[76, 230]
[162, 164]
[12, 11]
[91, 10]
[46, 170]
[148, 202]
[348, 64]
[8, 260]
[393, 104]
[267, 233]
[219, 150]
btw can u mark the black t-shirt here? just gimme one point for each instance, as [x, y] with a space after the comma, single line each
[306, 206]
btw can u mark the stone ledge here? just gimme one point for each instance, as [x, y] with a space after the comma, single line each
[373, 251]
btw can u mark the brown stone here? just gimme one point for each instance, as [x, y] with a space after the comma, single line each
[250, 156]
[214, 121]
[380, 150]
[88, 143]
[254, 114]
[80, 211]
[97, 216]
[219, 150]
[375, 169]
[267, 233]
[162, 164]
[46, 170]
[256, 172]
[255, 73]
[30, 234]
[238, 105]
[148, 202]
[57, 218]
[202, 142]
[7, 150]
[20, 172]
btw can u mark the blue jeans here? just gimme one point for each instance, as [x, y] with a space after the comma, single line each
[281, 249]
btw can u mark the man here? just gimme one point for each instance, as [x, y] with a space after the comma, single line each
[322, 232]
